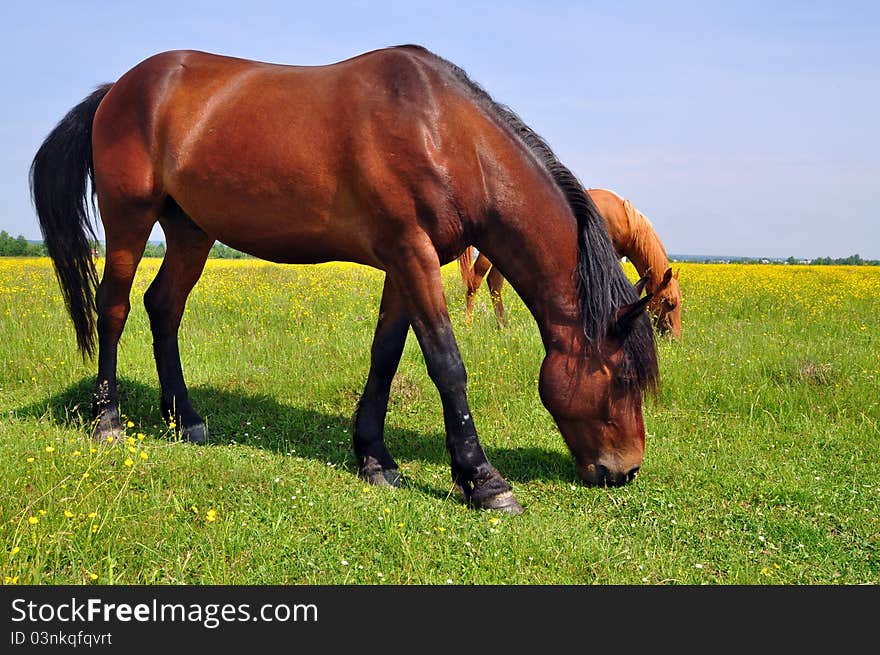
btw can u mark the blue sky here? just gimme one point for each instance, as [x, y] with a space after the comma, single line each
[738, 128]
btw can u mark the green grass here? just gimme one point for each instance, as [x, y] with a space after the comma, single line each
[762, 463]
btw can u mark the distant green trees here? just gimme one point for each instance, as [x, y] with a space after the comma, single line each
[19, 246]
[852, 260]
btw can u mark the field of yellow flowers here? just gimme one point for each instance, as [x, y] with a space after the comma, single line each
[762, 462]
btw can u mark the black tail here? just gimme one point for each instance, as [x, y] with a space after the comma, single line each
[59, 179]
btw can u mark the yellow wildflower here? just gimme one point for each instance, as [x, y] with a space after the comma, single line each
[33, 520]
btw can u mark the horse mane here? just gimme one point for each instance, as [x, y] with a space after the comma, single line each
[602, 286]
[644, 239]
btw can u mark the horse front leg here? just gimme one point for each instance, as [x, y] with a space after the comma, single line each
[375, 464]
[482, 485]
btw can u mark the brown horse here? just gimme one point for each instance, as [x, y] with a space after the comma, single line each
[394, 159]
[631, 234]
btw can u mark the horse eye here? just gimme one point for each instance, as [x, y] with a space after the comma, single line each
[668, 304]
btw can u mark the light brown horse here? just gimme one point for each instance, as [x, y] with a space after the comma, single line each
[394, 159]
[632, 235]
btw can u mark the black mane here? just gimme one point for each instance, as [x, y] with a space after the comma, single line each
[603, 287]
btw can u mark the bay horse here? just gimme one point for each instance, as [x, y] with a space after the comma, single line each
[393, 159]
[632, 235]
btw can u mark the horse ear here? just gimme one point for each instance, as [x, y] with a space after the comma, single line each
[675, 275]
[667, 278]
[628, 313]
[640, 285]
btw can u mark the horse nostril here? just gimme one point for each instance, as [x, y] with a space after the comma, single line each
[632, 473]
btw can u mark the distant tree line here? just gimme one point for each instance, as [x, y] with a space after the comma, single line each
[21, 247]
[218, 251]
[852, 260]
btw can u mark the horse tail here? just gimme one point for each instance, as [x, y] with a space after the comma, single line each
[59, 178]
[466, 266]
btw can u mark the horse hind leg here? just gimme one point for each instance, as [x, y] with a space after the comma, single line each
[187, 248]
[496, 281]
[375, 463]
[127, 227]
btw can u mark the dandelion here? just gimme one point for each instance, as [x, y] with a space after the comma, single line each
[86, 474]
[130, 424]
[128, 461]
[211, 516]
[76, 453]
[494, 520]
[33, 520]
[69, 514]
[30, 460]
[93, 576]
[366, 490]
[132, 449]
[143, 455]
[7, 579]
[387, 510]
[50, 449]
[94, 529]
[93, 515]
[15, 550]
[141, 436]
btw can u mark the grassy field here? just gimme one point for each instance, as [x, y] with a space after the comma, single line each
[762, 463]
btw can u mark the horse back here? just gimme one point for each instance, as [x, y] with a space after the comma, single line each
[298, 163]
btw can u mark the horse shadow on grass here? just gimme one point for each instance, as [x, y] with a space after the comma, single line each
[260, 421]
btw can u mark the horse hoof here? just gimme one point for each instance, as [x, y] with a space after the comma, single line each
[197, 434]
[383, 478]
[108, 434]
[503, 502]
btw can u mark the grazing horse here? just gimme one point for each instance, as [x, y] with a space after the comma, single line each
[393, 159]
[633, 236]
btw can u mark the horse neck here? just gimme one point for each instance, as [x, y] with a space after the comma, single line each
[644, 249]
[539, 258]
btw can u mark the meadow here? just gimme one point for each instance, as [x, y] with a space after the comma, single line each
[762, 463]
